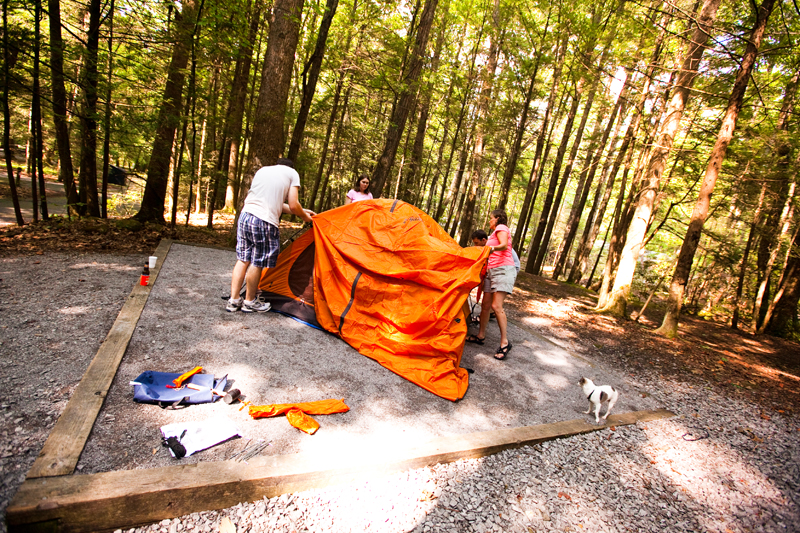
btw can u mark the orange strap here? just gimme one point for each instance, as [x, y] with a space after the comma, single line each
[321, 407]
[302, 421]
[183, 377]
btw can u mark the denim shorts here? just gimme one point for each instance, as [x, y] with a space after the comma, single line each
[257, 242]
[500, 279]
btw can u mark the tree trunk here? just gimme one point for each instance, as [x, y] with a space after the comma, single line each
[213, 163]
[513, 157]
[595, 217]
[176, 180]
[155, 191]
[782, 189]
[37, 113]
[411, 186]
[107, 118]
[268, 139]
[244, 152]
[437, 172]
[455, 189]
[783, 309]
[618, 298]
[539, 247]
[535, 176]
[408, 93]
[481, 122]
[59, 94]
[582, 191]
[233, 121]
[310, 77]
[197, 169]
[336, 141]
[7, 119]
[669, 326]
[87, 178]
[543, 142]
[745, 256]
[328, 130]
[620, 221]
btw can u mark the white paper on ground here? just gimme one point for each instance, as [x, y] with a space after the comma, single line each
[201, 434]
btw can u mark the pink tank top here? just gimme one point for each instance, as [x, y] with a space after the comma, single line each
[502, 258]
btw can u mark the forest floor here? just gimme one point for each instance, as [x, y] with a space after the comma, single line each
[763, 369]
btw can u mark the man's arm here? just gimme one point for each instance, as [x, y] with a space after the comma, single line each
[294, 206]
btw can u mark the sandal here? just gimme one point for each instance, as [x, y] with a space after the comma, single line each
[474, 339]
[502, 352]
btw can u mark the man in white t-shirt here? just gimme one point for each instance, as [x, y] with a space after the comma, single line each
[274, 191]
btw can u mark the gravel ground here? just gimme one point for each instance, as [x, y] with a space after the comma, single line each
[720, 466]
[723, 464]
[273, 359]
[55, 311]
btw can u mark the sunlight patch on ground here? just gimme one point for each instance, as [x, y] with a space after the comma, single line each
[534, 321]
[347, 445]
[369, 506]
[548, 357]
[766, 371]
[75, 310]
[685, 463]
[105, 267]
[555, 381]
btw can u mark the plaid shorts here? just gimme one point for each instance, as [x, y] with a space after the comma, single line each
[257, 242]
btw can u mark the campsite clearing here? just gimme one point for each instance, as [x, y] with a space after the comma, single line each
[56, 352]
[274, 359]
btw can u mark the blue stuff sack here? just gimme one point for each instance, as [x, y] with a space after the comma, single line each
[151, 387]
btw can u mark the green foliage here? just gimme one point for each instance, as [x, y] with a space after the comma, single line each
[368, 46]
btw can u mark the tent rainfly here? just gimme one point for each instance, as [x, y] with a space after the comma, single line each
[387, 279]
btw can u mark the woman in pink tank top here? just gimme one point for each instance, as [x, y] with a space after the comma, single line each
[500, 277]
[360, 191]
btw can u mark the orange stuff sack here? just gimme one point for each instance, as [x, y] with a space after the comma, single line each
[302, 421]
[321, 407]
[391, 283]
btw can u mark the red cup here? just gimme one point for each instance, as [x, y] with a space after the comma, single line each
[144, 280]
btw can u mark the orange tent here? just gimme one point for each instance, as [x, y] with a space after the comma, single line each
[388, 280]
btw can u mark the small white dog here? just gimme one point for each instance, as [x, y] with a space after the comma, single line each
[597, 395]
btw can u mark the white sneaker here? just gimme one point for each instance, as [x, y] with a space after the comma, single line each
[234, 305]
[256, 306]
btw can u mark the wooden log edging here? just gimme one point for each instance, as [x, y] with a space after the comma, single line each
[128, 498]
[64, 445]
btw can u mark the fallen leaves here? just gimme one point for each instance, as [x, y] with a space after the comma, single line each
[427, 496]
[100, 235]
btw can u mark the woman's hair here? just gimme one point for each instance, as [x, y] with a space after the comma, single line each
[501, 216]
[357, 184]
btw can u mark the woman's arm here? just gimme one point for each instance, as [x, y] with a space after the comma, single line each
[502, 236]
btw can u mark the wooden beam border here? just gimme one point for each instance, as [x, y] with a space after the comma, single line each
[64, 445]
[127, 498]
